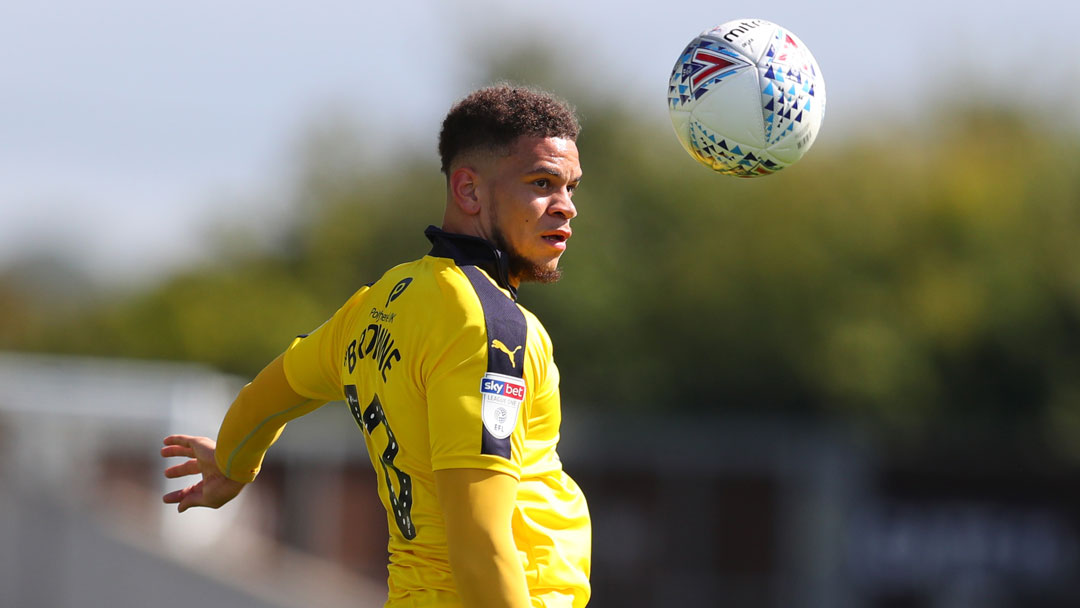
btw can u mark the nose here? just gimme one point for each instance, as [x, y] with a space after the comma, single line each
[562, 205]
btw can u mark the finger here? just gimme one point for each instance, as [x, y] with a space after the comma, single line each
[184, 440]
[191, 499]
[176, 495]
[190, 496]
[177, 450]
[191, 467]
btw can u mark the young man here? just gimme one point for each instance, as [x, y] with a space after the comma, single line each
[451, 382]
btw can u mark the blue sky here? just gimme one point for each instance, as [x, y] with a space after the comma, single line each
[128, 126]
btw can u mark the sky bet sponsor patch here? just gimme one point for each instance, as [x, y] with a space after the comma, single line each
[502, 397]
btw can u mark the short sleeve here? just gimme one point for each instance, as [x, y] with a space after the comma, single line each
[456, 403]
[313, 363]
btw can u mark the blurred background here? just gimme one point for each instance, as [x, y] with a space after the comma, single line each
[852, 384]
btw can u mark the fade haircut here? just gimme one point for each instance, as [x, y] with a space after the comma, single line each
[494, 117]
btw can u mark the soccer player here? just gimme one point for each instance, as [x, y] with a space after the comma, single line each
[450, 380]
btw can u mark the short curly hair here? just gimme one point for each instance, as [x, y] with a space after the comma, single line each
[495, 116]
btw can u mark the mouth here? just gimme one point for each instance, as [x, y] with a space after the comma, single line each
[556, 237]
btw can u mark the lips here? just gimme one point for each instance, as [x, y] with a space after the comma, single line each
[556, 236]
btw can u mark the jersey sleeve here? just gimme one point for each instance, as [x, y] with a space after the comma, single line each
[313, 363]
[455, 402]
[255, 421]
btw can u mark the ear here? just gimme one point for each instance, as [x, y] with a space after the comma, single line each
[464, 183]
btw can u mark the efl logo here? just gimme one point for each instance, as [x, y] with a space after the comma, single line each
[505, 388]
[501, 397]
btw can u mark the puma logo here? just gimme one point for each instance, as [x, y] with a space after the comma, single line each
[509, 353]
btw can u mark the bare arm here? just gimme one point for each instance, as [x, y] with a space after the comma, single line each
[477, 506]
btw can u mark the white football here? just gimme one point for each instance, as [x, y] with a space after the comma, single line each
[746, 98]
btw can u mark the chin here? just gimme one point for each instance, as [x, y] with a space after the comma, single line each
[545, 276]
[528, 271]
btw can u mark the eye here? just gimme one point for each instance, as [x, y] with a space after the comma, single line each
[543, 182]
[571, 188]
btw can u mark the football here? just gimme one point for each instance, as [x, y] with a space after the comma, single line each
[746, 98]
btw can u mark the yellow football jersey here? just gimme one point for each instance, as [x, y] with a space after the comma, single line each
[441, 369]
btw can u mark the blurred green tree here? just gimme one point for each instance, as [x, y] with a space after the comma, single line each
[901, 279]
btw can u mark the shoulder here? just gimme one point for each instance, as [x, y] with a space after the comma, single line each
[538, 335]
[434, 298]
[424, 283]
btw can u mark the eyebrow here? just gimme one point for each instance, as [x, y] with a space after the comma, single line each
[549, 171]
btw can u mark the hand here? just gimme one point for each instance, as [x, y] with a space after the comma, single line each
[214, 490]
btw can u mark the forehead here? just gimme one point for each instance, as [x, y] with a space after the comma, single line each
[549, 153]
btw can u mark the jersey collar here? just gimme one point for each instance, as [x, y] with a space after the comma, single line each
[468, 250]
